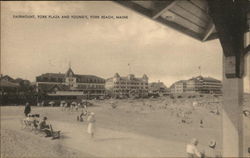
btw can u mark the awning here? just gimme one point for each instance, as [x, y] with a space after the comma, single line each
[66, 93]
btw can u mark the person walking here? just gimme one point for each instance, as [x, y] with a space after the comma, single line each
[91, 124]
[61, 106]
[27, 109]
[192, 150]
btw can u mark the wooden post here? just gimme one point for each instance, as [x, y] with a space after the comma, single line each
[232, 131]
[229, 17]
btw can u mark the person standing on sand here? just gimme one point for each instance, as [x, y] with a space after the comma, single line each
[27, 109]
[192, 150]
[201, 123]
[91, 126]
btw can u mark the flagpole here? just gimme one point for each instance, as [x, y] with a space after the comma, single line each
[129, 68]
[199, 70]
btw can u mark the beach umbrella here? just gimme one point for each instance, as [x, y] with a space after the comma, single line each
[63, 102]
[73, 103]
[51, 103]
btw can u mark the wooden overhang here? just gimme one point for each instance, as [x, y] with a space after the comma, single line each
[204, 20]
[187, 16]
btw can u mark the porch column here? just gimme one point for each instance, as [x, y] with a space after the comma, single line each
[232, 130]
[230, 19]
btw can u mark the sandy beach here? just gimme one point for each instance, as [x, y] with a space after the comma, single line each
[135, 128]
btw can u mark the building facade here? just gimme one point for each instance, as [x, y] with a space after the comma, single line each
[127, 86]
[178, 87]
[193, 86]
[70, 85]
[205, 85]
[197, 85]
[158, 88]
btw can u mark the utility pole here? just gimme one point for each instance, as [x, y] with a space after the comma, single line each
[37, 92]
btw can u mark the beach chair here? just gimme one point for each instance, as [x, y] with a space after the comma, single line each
[23, 123]
[26, 123]
[35, 126]
[54, 134]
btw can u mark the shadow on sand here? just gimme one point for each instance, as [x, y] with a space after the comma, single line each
[63, 136]
[111, 139]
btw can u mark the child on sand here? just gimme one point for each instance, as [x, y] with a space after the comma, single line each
[201, 123]
[91, 126]
[80, 117]
[211, 152]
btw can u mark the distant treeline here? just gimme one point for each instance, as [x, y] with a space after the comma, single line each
[16, 91]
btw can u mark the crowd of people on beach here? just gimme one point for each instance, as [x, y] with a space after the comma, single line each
[34, 122]
[73, 106]
[191, 148]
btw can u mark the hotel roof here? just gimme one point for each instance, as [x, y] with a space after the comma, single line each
[80, 78]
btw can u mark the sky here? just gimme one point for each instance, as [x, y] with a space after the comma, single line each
[101, 47]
